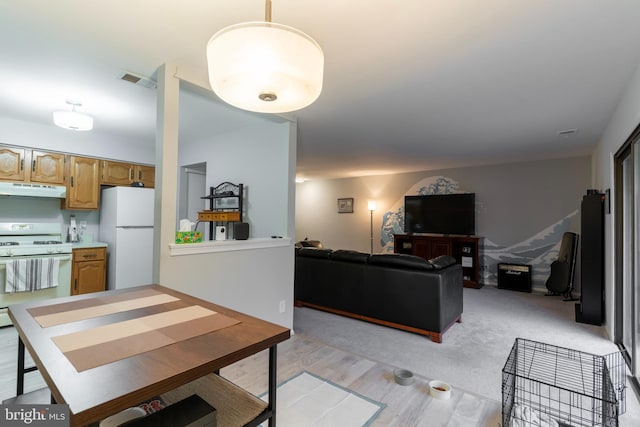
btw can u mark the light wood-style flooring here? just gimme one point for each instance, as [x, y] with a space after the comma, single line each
[405, 405]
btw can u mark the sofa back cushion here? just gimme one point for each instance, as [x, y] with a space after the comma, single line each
[314, 253]
[400, 261]
[350, 256]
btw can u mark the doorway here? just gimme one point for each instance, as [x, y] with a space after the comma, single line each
[192, 188]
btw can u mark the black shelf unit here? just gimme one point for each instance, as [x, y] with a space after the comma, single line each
[225, 199]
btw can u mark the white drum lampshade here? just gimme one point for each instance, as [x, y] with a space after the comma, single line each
[265, 67]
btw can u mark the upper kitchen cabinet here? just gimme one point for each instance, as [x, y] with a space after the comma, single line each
[20, 164]
[120, 173]
[145, 175]
[83, 183]
[47, 167]
[115, 173]
[12, 164]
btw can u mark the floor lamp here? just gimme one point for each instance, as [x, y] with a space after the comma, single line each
[372, 207]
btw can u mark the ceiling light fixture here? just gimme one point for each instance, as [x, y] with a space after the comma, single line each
[265, 67]
[72, 119]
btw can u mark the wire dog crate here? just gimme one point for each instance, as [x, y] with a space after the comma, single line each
[543, 384]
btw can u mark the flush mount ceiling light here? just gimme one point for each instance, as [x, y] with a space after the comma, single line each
[265, 67]
[72, 119]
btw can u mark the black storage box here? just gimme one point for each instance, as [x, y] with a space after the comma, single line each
[515, 277]
[190, 412]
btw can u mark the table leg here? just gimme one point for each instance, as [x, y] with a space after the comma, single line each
[273, 364]
[20, 386]
[21, 369]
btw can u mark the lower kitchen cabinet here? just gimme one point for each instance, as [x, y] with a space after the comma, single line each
[89, 268]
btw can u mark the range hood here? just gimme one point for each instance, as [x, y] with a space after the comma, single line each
[32, 190]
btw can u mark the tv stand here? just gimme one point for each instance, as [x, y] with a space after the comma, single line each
[463, 248]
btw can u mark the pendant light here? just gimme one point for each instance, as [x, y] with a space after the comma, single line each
[265, 67]
[72, 119]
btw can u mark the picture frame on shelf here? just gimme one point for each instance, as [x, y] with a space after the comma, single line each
[345, 205]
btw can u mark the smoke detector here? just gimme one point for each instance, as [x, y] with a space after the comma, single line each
[136, 79]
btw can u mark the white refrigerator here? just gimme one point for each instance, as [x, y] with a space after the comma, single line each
[126, 226]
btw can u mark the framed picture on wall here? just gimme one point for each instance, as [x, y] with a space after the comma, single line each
[345, 205]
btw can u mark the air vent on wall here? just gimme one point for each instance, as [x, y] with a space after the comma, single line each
[567, 132]
[128, 76]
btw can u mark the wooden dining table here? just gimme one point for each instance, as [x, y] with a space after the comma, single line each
[103, 352]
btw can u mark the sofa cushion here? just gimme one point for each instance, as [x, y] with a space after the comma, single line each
[314, 252]
[442, 261]
[350, 256]
[400, 261]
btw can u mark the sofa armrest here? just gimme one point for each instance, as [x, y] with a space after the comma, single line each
[442, 261]
[429, 300]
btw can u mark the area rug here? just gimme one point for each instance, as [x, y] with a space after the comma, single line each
[309, 400]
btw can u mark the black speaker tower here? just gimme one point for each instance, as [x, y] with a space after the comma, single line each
[591, 307]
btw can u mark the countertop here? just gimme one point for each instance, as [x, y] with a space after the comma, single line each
[84, 245]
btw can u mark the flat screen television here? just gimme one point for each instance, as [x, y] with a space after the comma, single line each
[440, 214]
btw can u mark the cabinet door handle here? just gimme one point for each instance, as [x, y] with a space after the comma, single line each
[71, 179]
[89, 255]
[75, 284]
[131, 174]
[22, 164]
[139, 175]
[33, 166]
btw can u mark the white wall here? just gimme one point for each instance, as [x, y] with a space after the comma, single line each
[624, 120]
[91, 143]
[258, 158]
[262, 157]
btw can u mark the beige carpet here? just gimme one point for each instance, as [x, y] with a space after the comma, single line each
[473, 353]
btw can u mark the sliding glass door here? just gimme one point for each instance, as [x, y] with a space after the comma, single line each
[627, 224]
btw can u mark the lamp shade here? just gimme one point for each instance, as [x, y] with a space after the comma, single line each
[265, 67]
[371, 204]
[72, 120]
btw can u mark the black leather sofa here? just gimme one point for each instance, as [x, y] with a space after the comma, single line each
[396, 290]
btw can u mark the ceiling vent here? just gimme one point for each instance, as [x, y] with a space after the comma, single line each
[567, 132]
[128, 76]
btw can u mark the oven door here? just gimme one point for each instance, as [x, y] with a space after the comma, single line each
[62, 290]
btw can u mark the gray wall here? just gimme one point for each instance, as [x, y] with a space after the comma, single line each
[522, 209]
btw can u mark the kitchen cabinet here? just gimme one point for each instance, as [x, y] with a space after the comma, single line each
[146, 175]
[83, 183]
[25, 165]
[88, 272]
[12, 164]
[47, 167]
[115, 173]
[122, 173]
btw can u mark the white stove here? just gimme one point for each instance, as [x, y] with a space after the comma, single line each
[29, 241]
[24, 239]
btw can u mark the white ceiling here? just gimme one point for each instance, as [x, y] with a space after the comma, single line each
[409, 84]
